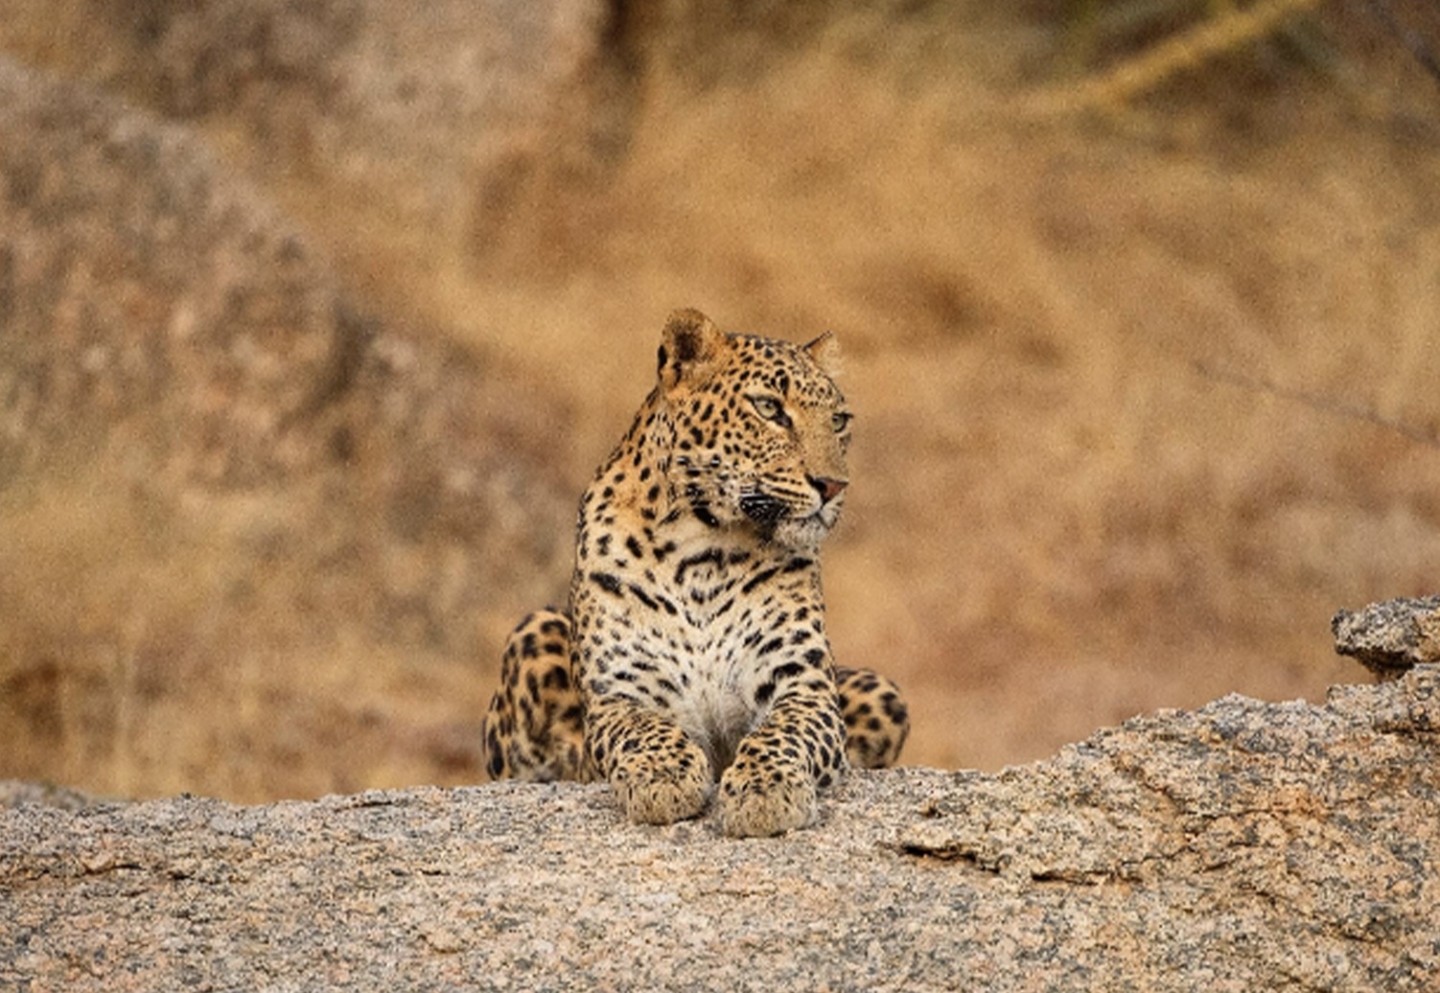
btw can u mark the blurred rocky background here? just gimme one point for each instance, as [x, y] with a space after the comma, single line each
[316, 317]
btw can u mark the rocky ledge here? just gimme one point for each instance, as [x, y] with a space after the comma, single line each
[1244, 845]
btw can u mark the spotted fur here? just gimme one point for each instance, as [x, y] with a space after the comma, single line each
[694, 647]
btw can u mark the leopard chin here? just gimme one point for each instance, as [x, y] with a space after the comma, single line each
[804, 532]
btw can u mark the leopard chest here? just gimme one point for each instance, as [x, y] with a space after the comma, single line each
[698, 630]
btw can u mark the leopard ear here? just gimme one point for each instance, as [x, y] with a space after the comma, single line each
[825, 350]
[691, 343]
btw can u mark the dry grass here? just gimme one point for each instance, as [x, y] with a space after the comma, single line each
[1058, 521]
[147, 654]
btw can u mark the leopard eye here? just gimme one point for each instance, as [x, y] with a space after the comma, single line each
[839, 421]
[770, 409]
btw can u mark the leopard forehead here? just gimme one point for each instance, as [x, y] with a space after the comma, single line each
[719, 426]
[781, 367]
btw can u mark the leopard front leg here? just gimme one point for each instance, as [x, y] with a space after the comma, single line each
[659, 773]
[798, 749]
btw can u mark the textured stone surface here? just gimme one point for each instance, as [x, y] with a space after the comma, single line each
[1391, 636]
[1241, 846]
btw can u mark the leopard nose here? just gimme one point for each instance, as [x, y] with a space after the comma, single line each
[827, 487]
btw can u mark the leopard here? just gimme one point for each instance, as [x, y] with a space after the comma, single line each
[692, 662]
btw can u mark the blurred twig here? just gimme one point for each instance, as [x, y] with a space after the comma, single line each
[1316, 401]
[1228, 30]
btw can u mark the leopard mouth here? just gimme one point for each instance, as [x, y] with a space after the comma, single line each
[763, 509]
[775, 520]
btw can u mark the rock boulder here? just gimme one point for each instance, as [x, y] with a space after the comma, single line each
[1241, 846]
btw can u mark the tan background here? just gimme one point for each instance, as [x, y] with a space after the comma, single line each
[1084, 484]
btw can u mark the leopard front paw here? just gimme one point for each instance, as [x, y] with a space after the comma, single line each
[660, 793]
[757, 801]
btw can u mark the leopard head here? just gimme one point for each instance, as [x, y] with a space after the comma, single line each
[755, 428]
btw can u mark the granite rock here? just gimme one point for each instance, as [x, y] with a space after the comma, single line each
[1241, 846]
[1390, 636]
